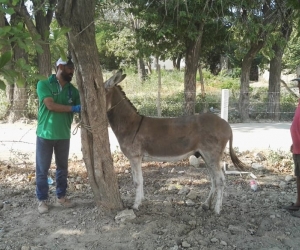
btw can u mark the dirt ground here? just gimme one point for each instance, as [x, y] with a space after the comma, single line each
[170, 218]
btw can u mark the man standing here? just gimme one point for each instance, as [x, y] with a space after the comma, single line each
[295, 149]
[58, 100]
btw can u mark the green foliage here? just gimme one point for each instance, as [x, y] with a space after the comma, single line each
[113, 45]
[288, 104]
[11, 76]
[291, 59]
[230, 83]
[4, 59]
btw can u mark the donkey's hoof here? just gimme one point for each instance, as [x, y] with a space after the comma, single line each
[135, 207]
[217, 211]
[205, 207]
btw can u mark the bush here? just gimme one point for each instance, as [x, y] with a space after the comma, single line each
[3, 104]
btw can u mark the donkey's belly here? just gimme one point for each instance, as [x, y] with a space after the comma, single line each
[147, 157]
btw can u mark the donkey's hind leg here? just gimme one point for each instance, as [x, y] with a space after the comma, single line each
[220, 184]
[208, 202]
[217, 182]
[137, 176]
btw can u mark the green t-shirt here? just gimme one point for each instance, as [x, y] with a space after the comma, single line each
[55, 125]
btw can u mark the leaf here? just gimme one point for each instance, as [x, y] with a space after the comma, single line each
[15, 2]
[20, 82]
[5, 30]
[4, 59]
[2, 85]
[57, 33]
[62, 53]
[41, 77]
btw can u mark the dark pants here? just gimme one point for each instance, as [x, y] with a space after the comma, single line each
[44, 152]
[296, 159]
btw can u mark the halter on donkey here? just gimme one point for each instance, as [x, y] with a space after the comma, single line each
[144, 138]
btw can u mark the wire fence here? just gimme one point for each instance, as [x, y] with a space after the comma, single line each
[172, 106]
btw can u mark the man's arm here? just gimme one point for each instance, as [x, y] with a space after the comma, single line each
[52, 106]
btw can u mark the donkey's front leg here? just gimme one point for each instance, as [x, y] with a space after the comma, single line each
[137, 176]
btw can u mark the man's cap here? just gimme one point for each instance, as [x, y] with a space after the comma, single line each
[62, 62]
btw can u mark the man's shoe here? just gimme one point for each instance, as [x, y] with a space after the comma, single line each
[43, 207]
[65, 202]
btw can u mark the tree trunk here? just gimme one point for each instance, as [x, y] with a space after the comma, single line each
[78, 16]
[274, 84]
[191, 61]
[203, 94]
[141, 69]
[158, 103]
[18, 94]
[178, 61]
[42, 29]
[276, 67]
[245, 80]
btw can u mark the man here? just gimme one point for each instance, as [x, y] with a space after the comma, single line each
[58, 100]
[295, 149]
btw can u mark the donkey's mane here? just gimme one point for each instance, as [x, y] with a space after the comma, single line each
[123, 93]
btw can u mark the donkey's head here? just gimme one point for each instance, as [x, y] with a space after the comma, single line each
[109, 87]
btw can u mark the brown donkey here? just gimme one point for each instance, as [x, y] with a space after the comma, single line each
[144, 138]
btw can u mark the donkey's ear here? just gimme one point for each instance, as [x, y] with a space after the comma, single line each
[120, 79]
[115, 79]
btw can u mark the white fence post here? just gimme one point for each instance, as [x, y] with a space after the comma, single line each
[224, 104]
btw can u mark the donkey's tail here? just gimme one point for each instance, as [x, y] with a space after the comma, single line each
[235, 160]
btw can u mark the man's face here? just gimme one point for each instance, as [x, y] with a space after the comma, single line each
[67, 72]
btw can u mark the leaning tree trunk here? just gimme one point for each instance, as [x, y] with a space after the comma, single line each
[244, 99]
[78, 16]
[39, 27]
[191, 62]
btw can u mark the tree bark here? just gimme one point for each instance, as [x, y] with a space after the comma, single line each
[78, 16]
[191, 61]
[43, 28]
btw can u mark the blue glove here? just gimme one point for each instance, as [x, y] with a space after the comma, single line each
[76, 108]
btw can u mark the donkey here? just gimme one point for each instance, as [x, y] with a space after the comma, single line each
[144, 138]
